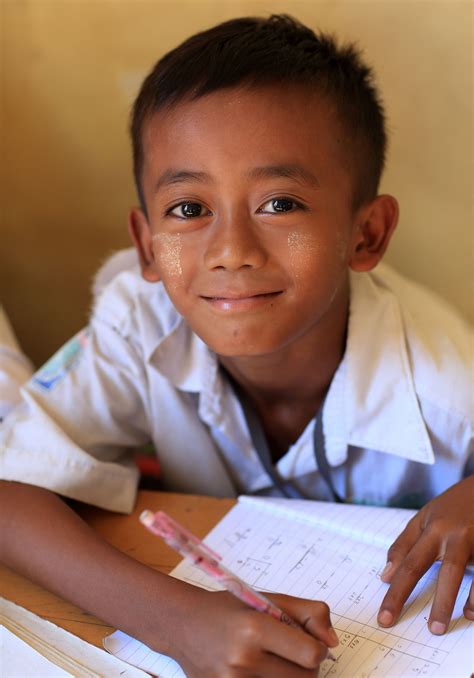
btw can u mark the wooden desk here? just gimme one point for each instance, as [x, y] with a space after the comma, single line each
[199, 514]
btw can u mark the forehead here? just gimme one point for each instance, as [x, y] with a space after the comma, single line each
[244, 127]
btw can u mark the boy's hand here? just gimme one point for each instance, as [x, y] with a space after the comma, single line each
[441, 530]
[210, 634]
[223, 637]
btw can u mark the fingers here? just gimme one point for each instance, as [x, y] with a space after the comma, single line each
[276, 667]
[293, 645]
[264, 646]
[314, 617]
[405, 577]
[469, 606]
[447, 587]
[319, 625]
[400, 548]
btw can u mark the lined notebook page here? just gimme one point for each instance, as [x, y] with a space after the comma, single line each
[334, 553]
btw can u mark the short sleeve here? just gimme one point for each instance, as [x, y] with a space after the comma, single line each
[15, 367]
[79, 417]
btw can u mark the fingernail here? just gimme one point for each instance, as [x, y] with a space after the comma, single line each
[331, 657]
[438, 628]
[333, 639]
[387, 569]
[385, 618]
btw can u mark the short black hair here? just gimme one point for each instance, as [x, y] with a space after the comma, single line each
[279, 50]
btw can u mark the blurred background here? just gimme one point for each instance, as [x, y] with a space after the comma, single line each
[70, 70]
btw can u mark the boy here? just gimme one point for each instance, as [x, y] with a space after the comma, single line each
[257, 352]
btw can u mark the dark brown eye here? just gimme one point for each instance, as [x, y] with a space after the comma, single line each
[187, 210]
[191, 209]
[279, 205]
[282, 205]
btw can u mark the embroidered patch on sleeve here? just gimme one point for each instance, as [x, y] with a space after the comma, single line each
[56, 368]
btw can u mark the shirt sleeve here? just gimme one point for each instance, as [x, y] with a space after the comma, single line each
[80, 416]
[15, 368]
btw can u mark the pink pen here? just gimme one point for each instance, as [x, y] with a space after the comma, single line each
[207, 560]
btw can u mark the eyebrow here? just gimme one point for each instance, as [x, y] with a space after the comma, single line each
[178, 176]
[286, 171]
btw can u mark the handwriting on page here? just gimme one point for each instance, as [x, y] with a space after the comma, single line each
[333, 553]
[274, 552]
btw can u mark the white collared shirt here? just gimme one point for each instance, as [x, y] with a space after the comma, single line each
[15, 367]
[397, 418]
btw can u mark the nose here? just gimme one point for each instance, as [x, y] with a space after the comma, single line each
[234, 243]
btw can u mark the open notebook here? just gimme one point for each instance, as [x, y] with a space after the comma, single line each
[335, 553]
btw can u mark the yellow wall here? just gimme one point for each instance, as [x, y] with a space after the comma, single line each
[71, 69]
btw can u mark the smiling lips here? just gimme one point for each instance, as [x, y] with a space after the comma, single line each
[240, 302]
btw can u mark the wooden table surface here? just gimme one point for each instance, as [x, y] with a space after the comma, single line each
[199, 514]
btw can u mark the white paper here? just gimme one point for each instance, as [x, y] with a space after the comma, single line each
[20, 660]
[132, 651]
[336, 553]
[70, 655]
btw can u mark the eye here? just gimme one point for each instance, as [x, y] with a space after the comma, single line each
[279, 205]
[188, 210]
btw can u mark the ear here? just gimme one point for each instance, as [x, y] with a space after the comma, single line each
[139, 230]
[374, 227]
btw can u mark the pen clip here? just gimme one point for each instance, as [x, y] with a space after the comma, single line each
[167, 528]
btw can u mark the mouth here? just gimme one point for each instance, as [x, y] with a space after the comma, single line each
[241, 302]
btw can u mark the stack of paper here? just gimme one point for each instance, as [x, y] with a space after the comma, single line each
[33, 647]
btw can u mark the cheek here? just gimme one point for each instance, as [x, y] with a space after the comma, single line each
[303, 249]
[342, 246]
[319, 261]
[167, 248]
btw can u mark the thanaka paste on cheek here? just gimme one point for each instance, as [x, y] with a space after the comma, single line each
[168, 251]
[301, 247]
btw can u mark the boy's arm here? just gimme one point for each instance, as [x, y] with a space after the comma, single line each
[442, 530]
[45, 540]
[208, 633]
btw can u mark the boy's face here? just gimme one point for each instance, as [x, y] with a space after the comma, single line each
[250, 224]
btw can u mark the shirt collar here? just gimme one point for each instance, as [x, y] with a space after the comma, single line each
[183, 358]
[374, 383]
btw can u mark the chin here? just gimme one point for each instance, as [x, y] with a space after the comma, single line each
[241, 347]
